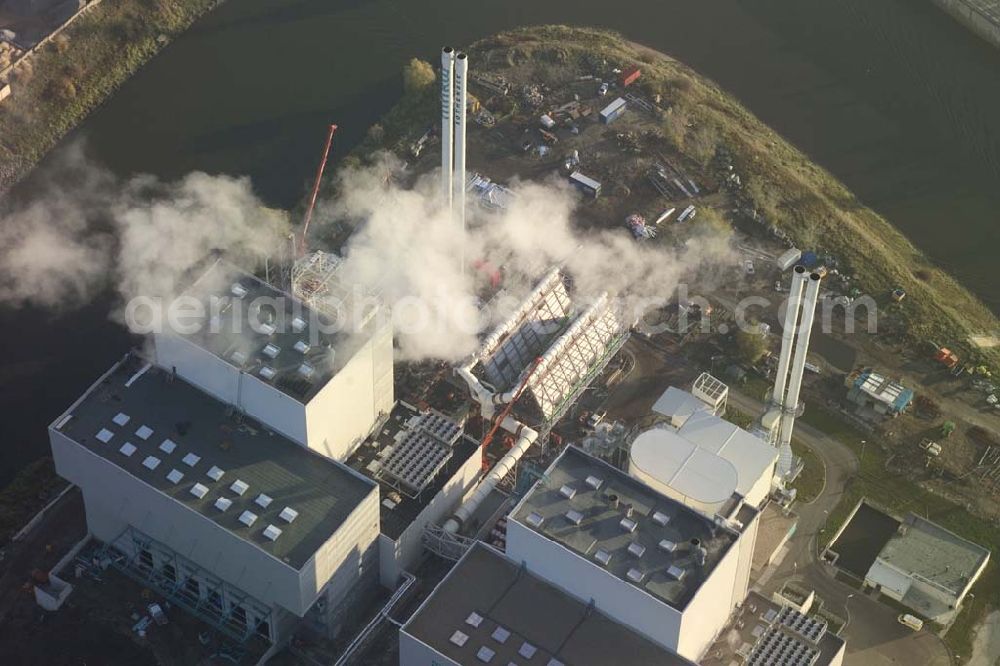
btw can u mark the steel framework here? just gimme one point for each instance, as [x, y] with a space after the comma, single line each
[203, 594]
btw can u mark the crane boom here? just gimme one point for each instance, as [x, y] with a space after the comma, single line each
[315, 190]
[506, 412]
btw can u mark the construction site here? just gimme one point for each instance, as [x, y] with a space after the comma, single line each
[582, 481]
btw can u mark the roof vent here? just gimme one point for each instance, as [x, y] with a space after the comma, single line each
[500, 634]
[271, 532]
[636, 549]
[168, 446]
[175, 476]
[223, 503]
[238, 290]
[634, 575]
[127, 449]
[298, 324]
[248, 518]
[485, 654]
[121, 418]
[263, 501]
[199, 490]
[288, 514]
[215, 473]
[143, 432]
[534, 519]
[568, 491]
[595, 482]
[151, 462]
[628, 525]
[271, 350]
[301, 346]
[459, 639]
[238, 357]
[267, 372]
[574, 516]
[676, 572]
[191, 459]
[668, 546]
[661, 518]
[105, 435]
[307, 371]
[527, 650]
[239, 487]
[602, 556]
[474, 619]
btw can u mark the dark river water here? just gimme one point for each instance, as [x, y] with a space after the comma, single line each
[892, 96]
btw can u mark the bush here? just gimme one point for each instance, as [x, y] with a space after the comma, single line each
[417, 75]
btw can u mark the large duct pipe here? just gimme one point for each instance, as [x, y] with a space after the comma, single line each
[799, 278]
[461, 101]
[447, 122]
[525, 438]
[791, 404]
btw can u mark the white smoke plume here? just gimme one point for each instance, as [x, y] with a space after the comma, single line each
[409, 246]
[89, 231]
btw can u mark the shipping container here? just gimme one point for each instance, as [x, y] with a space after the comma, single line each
[588, 186]
[789, 258]
[613, 111]
[630, 75]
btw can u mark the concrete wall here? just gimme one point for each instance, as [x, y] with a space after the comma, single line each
[746, 545]
[762, 487]
[709, 610]
[115, 499]
[964, 11]
[588, 582]
[401, 554]
[416, 653]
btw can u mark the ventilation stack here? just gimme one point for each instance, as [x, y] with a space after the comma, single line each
[461, 104]
[447, 122]
[779, 421]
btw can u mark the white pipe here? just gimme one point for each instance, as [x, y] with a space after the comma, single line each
[799, 363]
[461, 100]
[799, 278]
[447, 122]
[525, 438]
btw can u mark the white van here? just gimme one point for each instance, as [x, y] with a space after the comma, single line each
[911, 621]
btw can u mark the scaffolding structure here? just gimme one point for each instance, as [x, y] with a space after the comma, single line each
[155, 565]
[317, 281]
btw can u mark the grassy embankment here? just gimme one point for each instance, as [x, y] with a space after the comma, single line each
[788, 190]
[26, 494]
[69, 77]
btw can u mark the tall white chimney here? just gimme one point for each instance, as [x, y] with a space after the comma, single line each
[447, 122]
[799, 278]
[791, 402]
[461, 102]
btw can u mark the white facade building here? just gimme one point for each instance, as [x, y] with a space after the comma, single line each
[269, 356]
[199, 501]
[642, 558]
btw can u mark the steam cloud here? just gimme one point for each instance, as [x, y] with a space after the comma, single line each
[90, 231]
[411, 248]
[139, 236]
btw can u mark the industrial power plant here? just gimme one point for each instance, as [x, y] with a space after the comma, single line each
[276, 477]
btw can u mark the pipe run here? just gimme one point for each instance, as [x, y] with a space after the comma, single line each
[525, 438]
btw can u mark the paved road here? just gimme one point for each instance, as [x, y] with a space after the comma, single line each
[872, 632]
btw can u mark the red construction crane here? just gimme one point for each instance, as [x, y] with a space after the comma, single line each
[315, 190]
[505, 412]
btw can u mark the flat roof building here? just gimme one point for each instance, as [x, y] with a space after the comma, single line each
[927, 568]
[490, 610]
[162, 463]
[643, 558]
[272, 357]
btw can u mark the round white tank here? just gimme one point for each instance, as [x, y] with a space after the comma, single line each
[672, 465]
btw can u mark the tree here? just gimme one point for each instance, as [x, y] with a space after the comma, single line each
[750, 345]
[417, 75]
